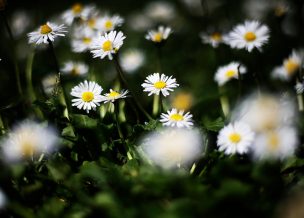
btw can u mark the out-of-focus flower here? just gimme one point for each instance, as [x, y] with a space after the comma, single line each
[172, 147]
[159, 35]
[107, 45]
[48, 31]
[88, 95]
[199, 8]
[250, 35]
[213, 39]
[175, 118]
[228, 72]
[299, 87]
[77, 11]
[75, 68]
[132, 59]
[108, 23]
[160, 11]
[82, 39]
[139, 22]
[281, 8]
[257, 9]
[235, 138]
[275, 144]
[155, 83]
[20, 22]
[114, 95]
[182, 101]
[27, 140]
[49, 83]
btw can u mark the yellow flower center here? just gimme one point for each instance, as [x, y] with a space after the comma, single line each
[107, 45]
[75, 71]
[91, 22]
[235, 138]
[230, 73]
[27, 149]
[250, 36]
[108, 24]
[273, 141]
[113, 94]
[291, 66]
[216, 36]
[158, 37]
[182, 101]
[160, 85]
[77, 8]
[45, 29]
[86, 40]
[176, 117]
[87, 96]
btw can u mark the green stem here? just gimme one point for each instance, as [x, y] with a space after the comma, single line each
[116, 113]
[2, 128]
[224, 102]
[155, 105]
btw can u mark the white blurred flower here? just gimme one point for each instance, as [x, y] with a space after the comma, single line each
[27, 140]
[132, 59]
[139, 22]
[48, 31]
[77, 11]
[160, 11]
[214, 39]
[88, 95]
[108, 23]
[175, 118]
[159, 35]
[20, 22]
[250, 35]
[156, 83]
[107, 45]
[275, 144]
[235, 138]
[114, 95]
[49, 82]
[82, 39]
[75, 68]
[299, 87]
[172, 147]
[228, 72]
[257, 9]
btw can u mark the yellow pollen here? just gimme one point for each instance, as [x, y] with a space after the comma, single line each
[77, 8]
[273, 141]
[291, 66]
[45, 29]
[250, 36]
[113, 94]
[87, 96]
[235, 138]
[91, 23]
[176, 117]
[182, 101]
[216, 36]
[75, 71]
[86, 40]
[108, 24]
[158, 37]
[107, 45]
[27, 149]
[230, 73]
[160, 85]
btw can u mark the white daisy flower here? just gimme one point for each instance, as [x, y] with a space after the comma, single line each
[275, 144]
[235, 138]
[27, 140]
[160, 11]
[82, 39]
[107, 45]
[88, 95]
[48, 31]
[228, 72]
[171, 148]
[213, 39]
[299, 87]
[175, 118]
[113, 96]
[108, 23]
[159, 35]
[132, 59]
[77, 11]
[75, 68]
[251, 34]
[155, 83]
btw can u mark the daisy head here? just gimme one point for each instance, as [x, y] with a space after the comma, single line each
[132, 59]
[77, 11]
[87, 95]
[250, 35]
[112, 96]
[182, 101]
[108, 23]
[46, 32]
[82, 39]
[175, 118]
[235, 138]
[214, 39]
[107, 45]
[27, 140]
[228, 72]
[156, 83]
[160, 35]
[75, 68]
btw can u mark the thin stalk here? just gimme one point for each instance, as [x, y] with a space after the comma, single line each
[2, 128]
[52, 50]
[239, 84]
[155, 105]
[116, 114]
[224, 102]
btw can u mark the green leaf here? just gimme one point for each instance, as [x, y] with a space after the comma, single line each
[83, 121]
[213, 125]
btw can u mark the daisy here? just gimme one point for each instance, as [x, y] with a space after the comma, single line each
[299, 87]
[27, 140]
[107, 45]
[213, 39]
[113, 95]
[155, 83]
[182, 101]
[88, 95]
[235, 138]
[77, 11]
[159, 35]
[176, 118]
[160, 11]
[75, 68]
[170, 147]
[48, 31]
[132, 59]
[251, 34]
[228, 72]
[275, 144]
[108, 23]
[82, 40]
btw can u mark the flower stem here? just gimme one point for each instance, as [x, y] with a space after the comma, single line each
[116, 113]
[155, 105]
[2, 128]
[224, 102]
